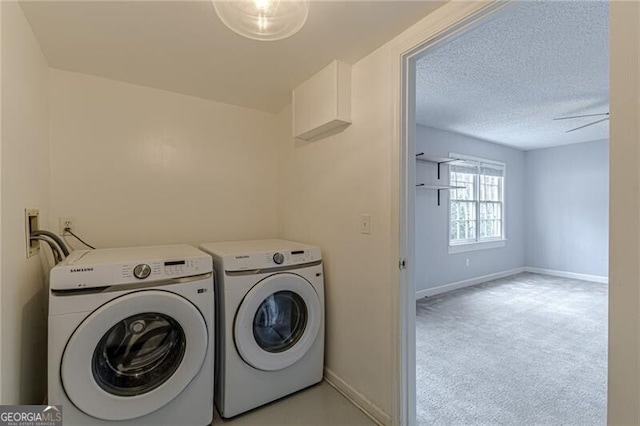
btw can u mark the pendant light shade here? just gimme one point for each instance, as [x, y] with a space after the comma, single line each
[265, 20]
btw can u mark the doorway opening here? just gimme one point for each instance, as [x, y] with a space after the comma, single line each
[509, 121]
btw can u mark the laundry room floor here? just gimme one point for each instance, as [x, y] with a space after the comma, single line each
[318, 405]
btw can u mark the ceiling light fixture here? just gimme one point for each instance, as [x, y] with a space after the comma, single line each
[264, 20]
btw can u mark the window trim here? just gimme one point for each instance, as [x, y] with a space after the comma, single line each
[486, 243]
[477, 245]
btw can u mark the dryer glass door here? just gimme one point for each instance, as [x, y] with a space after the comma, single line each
[277, 322]
[134, 354]
[280, 321]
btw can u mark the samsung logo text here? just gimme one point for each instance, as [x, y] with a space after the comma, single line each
[81, 270]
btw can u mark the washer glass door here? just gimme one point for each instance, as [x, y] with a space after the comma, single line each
[278, 321]
[134, 355]
[138, 354]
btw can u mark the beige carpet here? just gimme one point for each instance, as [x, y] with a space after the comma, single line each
[523, 350]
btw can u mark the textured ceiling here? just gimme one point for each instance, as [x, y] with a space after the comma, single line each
[505, 80]
[183, 47]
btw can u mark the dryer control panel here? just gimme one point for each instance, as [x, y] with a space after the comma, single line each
[271, 259]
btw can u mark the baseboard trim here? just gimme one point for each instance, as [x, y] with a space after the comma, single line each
[371, 410]
[467, 283]
[564, 274]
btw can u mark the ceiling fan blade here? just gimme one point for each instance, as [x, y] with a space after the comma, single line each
[587, 125]
[580, 116]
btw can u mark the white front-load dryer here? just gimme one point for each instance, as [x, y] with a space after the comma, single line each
[269, 319]
[131, 337]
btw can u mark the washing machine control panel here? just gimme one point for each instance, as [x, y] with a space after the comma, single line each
[84, 269]
[130, 272]
[167, 269]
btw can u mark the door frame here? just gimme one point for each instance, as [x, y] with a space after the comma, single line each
[624, 205]
[451, 20]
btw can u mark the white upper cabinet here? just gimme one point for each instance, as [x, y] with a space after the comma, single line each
[322, 104]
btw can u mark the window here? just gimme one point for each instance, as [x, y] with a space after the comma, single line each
[476, 211]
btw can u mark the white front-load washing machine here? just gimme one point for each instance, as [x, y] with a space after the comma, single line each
[131, 337]
[269, 321]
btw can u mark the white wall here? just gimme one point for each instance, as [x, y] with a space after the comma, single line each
[567, 208]
[140, 166]
[435, 267]
[24, 184]
[324, 187]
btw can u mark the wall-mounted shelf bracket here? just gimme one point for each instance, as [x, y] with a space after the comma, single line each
[438, 188]
[421, 156]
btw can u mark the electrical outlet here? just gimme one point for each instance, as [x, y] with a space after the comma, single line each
[467, 263]
[66, 223]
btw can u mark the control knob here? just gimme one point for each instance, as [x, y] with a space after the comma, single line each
[278, 258]
[142, 271]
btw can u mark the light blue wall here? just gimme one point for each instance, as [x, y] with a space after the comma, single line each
[557, 203]
[567, 208]
[434, 265]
